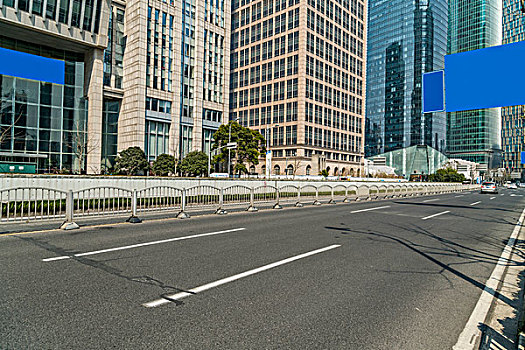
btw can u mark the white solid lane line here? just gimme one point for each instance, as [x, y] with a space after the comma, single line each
[475, 203]
[143, 244]
[459, 196]
[433, 216]
[375, 208]
[431, 200]
[471, 333]
[220, 282]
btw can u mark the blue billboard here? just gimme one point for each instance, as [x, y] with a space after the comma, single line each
[485, 78]
[27, 66]
[435, 101]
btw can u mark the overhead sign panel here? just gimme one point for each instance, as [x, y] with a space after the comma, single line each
[433, 92]
[33, 67]
[485, 78]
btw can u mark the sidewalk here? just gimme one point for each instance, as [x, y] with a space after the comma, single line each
[500, 330]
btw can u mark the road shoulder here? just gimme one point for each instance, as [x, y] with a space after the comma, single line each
[500, 329]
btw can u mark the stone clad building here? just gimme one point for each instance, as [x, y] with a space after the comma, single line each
[298, 76]
[156, 74]
[170, 86]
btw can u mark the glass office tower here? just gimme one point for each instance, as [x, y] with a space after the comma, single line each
[42, 120]
[513, 123]
[405, 40]
[474, 135]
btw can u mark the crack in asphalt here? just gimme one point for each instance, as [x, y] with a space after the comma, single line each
[101, 266]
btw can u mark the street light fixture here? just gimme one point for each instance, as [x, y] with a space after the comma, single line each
[230, 146]
[268, 160]
[229, 141]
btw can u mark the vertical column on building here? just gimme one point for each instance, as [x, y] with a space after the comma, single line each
[95, 90]
[363, 96]
[226, 72]
[94, 87]
[198, 94]
[301, 101]
[131, 126]
[175, 129]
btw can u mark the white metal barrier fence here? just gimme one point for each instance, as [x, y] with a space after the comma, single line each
[32, 204]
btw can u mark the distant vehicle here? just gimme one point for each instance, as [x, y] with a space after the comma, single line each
[466, 182]
[512, 186]
[488, 187]
[220, 175]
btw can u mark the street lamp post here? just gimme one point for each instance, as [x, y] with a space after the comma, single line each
[230, 145]
[269, 163]
[230, 140]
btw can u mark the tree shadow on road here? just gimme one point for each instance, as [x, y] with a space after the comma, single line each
[438, 205]
[449, 248]
[104, 267]
[506, 337]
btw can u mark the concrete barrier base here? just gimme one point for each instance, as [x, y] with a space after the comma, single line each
[134, 220]
[183, 215]
[69, 226]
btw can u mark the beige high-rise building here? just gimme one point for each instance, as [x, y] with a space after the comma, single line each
[156, 74]
[298, 76]
[152, 74]
[166, 76]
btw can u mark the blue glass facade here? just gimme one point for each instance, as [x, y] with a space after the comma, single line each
[39, 118]
[474, 135]
[405, 40]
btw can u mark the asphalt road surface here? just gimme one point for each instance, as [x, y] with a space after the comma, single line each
[393, 274]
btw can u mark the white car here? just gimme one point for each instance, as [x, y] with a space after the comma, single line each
[512, 186]
[489, 187]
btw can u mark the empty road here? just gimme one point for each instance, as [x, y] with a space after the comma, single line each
[394, 274]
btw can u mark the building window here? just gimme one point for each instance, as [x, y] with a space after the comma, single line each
[157, 139]
[110, 117]
[186, 140]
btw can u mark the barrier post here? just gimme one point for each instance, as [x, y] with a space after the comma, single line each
[277, 205]
[252, 205]
[69, 224]
[182, 214]
[134, 219]
[220, 210]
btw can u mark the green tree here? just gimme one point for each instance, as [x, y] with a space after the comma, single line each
[324, 173]
[194, 164]
[164, 165]
[250, 146]
[447, 175]
[131, 161]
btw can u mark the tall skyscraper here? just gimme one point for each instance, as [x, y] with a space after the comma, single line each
[297, 76]
[474, 135]
[405, 40]
[152, 74]
[513, 126]
[175, 77]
